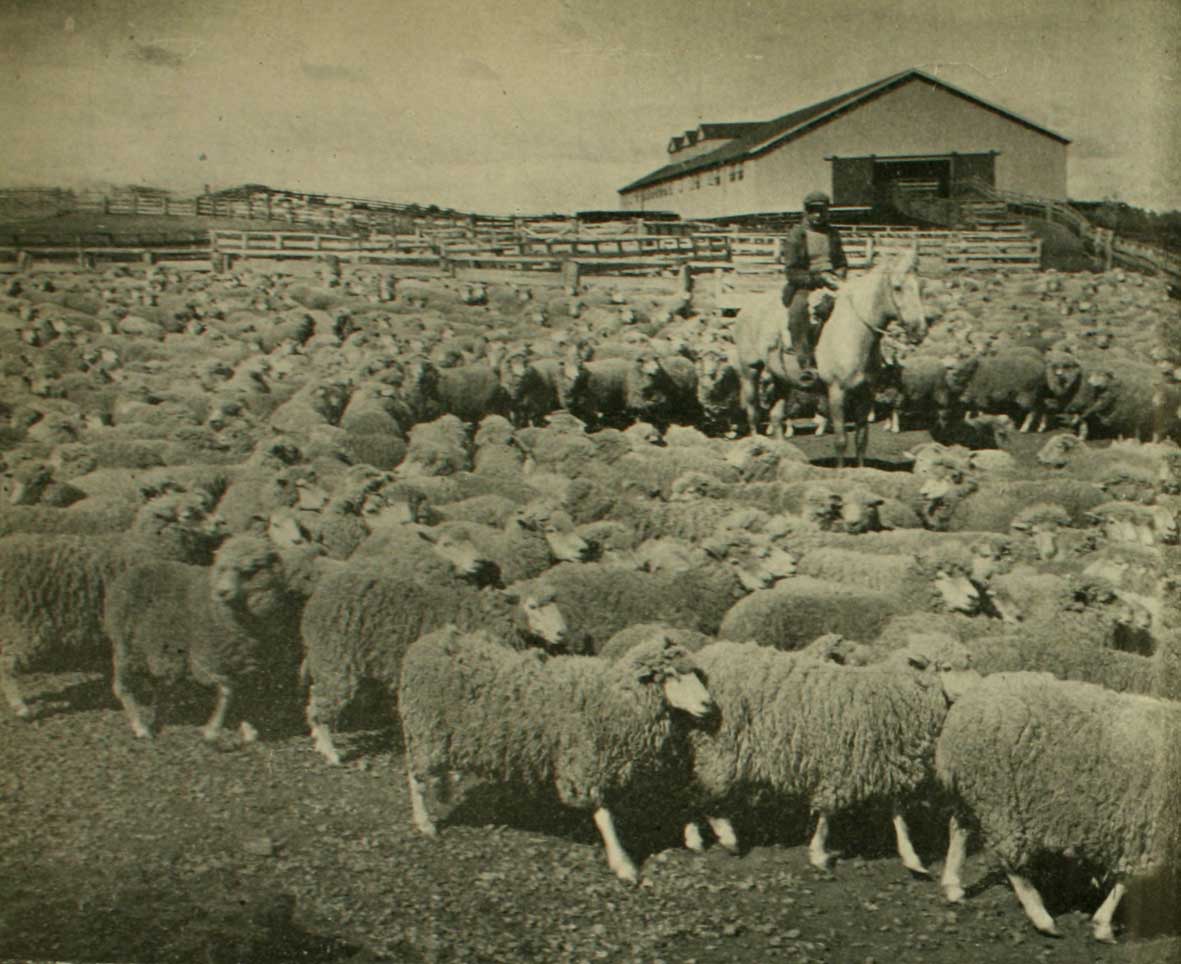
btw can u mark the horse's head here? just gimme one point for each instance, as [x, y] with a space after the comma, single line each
[902, 272]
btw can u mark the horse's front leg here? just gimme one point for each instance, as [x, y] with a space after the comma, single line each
[748, 397]
[861, 426]
[836, 415]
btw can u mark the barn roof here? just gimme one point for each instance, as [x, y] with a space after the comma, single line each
[758, 138]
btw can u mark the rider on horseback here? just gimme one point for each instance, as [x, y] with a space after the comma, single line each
[814, 259]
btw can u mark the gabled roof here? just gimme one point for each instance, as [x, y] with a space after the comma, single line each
[728, 129]
[759, 138]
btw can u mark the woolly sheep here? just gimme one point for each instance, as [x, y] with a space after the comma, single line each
[993, 505]
[53, 587]
[438, 447]
[1046, 766]
[933, 580]
[932, 389]
[600, 735]
[797, 610]
[829, 736]
[1011, 382]
[597, 600]
[240, 627]
[471, 392]
[363, 614]
[317, 403]
[1128, 522]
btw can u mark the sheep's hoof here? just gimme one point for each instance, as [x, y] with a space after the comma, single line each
[1050, 931]
[1104, 933]
[247, 733]
[953, 893]
[23, 711]
[918, 870]
[210, 734]
[627, 873]
[821, 861]
[426, 828]
[141, 732]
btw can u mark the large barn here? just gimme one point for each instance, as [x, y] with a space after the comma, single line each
[910, 132]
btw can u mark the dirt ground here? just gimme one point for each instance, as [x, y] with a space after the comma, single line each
[114, 849]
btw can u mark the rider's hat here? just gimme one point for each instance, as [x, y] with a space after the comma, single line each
[817, 199]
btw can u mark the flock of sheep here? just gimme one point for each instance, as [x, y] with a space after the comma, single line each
[539, 520]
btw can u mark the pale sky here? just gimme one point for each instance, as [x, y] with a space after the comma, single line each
[543, 105]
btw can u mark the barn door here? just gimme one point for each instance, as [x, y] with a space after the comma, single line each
[852, 181]
[979, 166]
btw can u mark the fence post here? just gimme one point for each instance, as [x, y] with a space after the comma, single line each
[1108, 246]
[571, 274]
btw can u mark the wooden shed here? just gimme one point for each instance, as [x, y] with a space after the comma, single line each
[910, 132]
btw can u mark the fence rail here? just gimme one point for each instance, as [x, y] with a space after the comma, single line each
[454, 250]
[1102, 241]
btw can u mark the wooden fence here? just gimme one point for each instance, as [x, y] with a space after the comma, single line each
[461, 250]
[1102, 241]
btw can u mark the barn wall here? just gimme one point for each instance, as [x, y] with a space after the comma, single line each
[916, 118]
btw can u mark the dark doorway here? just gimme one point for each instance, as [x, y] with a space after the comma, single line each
[921, 178]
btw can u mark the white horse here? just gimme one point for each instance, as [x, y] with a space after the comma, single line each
[848, 356]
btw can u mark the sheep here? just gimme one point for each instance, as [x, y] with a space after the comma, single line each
[316, 404]
[601, 735]
[33, 483]
[439, 447]
[940, 577]
[520, 549]
[829, 736]
[717, 393]
[1043, 522]
[535, 387]
[363, 615]
[1124, 401]
[930, 388]
[618, 645]
[797, 610]
[598, 599]
[1011, 382]
[1129, 522]
[992, 506]
[240, 626]
[52, 589]
[615, 391]
[1042, 765]
[471, 392]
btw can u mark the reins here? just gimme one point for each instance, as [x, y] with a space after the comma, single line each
[864, 321]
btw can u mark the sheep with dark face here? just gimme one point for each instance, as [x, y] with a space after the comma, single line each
[1011, 382]
[717, 392]
[240, 628]
[929, 388]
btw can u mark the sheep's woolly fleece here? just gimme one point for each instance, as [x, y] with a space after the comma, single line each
[1049, 766]
[598, 732]
[834, 735]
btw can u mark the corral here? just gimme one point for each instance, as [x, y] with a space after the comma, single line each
[363, 409]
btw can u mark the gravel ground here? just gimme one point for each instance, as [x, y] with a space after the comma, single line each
[117, 850]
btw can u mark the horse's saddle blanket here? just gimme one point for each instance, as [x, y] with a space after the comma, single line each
[820, 305]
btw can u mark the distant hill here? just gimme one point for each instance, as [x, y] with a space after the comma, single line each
[1133, 223]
